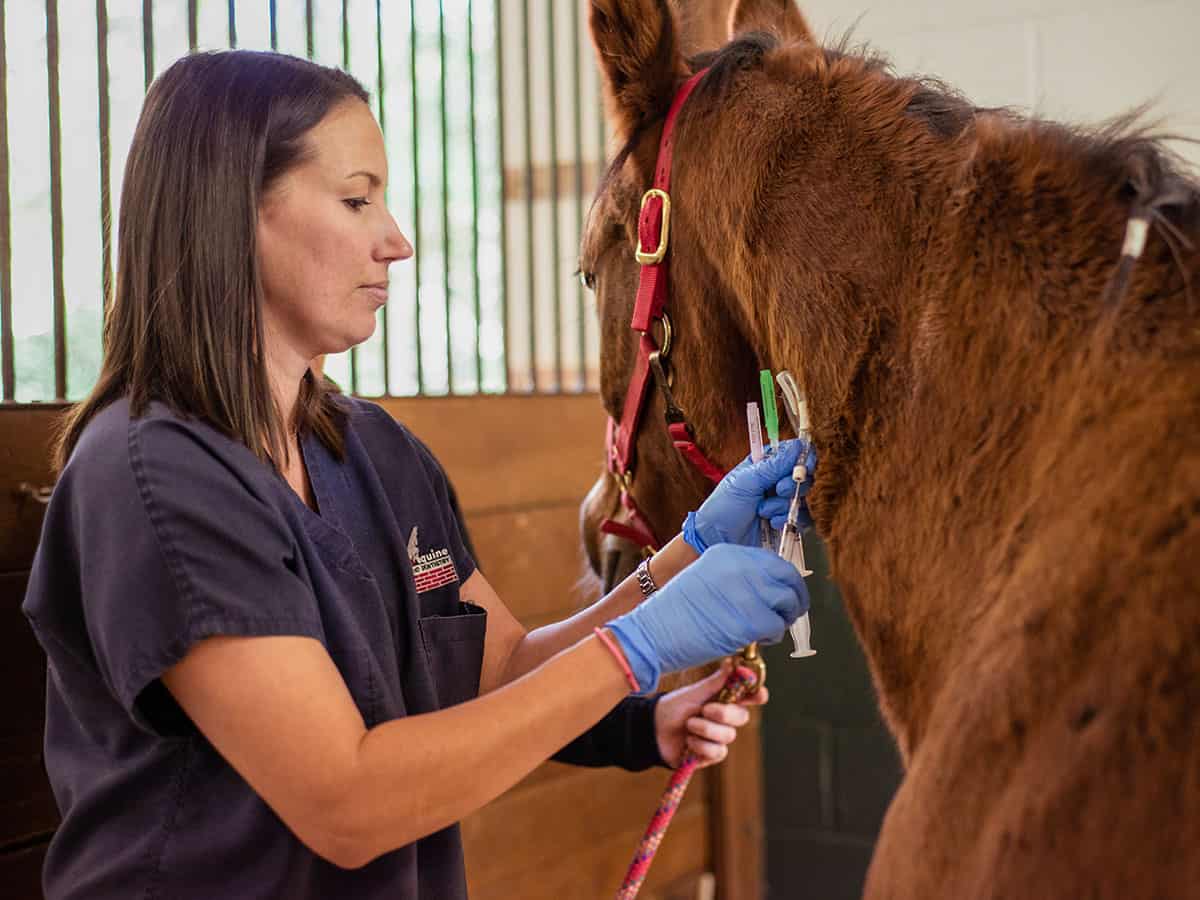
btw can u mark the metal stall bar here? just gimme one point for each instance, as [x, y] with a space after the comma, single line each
[310, 45]
[503, 198]
[528, 135]
[387, 381]
[445, 195]
[556, 293]
[577, 123]
[9, 376]
[416, 187]
[474, 196]
[346, 66]
[102, 111]
[56, 211]
[147, 42]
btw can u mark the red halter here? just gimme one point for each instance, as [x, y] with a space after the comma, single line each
[654, 228]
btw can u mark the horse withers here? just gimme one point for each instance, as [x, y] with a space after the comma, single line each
[1005, 397]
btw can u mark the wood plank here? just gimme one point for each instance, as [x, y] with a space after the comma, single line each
[22, 663]
[738, 835]
[597, 868]
[21, 873]
[534, 559]
[501, 451]
[25, 435]
[693, 886]
[511, 451]
[26, 804]
[577, 810]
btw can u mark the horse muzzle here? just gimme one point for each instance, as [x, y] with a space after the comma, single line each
[610, 557]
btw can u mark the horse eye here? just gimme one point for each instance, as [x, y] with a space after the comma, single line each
[588, 280]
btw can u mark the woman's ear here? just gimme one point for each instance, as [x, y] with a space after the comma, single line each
[779, 16]
[640, 63]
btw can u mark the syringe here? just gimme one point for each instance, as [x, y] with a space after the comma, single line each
[790, 545]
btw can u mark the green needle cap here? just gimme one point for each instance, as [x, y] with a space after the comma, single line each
[769, 412]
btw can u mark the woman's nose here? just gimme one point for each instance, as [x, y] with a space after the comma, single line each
[395, 245]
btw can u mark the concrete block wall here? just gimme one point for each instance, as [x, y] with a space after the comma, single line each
[1070, 60]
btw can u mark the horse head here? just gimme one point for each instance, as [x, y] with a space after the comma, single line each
[709, 364]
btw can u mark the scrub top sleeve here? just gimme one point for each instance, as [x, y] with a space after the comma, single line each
[625, 738]
[196, 551]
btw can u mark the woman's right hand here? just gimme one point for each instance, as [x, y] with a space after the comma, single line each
[730, 597]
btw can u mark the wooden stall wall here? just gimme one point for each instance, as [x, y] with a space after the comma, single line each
[520, 465]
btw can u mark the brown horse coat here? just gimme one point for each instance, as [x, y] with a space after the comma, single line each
[1008, 423]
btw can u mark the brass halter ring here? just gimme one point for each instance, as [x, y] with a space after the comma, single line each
[668, 336]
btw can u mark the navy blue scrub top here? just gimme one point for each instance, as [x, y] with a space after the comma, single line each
[162, 532]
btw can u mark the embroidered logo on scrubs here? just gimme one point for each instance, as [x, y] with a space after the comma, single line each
[433, 569]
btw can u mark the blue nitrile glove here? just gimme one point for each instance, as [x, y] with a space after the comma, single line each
[730, 514]
[726, 599]
[776, 508]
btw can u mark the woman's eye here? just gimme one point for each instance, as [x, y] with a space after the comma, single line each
[357, 203]
[588, 280]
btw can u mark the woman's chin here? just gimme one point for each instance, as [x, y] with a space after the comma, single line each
[352, 337]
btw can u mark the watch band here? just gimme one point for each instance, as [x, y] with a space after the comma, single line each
[644, 579]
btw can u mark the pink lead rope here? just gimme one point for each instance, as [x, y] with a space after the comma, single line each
[743, 680]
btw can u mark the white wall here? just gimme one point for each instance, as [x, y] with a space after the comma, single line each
[1069, 60]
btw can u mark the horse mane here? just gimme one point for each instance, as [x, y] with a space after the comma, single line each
[1154, 180]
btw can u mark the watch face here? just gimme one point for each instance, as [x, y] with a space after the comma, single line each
[645, 582]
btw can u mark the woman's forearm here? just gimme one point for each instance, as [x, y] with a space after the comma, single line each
[542, 643]
[417, 775]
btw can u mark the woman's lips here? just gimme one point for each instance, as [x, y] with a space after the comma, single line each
[378, 291]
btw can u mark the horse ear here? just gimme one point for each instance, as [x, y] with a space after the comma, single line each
[640, 63]
[780, 16]
[703, 25]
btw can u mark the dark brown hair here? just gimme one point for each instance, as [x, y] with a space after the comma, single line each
[185, 325]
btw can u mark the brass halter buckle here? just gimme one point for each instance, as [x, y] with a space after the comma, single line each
[654, 257]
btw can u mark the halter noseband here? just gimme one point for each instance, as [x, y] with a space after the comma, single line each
[654, 228]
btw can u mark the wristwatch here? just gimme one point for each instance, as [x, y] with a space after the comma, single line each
[644, 579]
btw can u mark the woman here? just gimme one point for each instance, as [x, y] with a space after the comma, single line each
[274, 668]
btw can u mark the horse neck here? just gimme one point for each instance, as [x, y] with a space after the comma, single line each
[929, 339]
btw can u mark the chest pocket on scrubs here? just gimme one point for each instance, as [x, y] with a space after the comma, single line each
[454, 647]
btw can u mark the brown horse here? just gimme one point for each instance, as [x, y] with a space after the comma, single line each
[1007, 411]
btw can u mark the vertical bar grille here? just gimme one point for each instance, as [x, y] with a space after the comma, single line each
[475, 292]
[346, 66]
[148, 41]
[577, 135]
[555, 256]
[416, 190]
[472, 227]
[381, 112]
[7, 344]
[56, 214]
[529, 232]
[445, 196]
[102, 114]
[502, 198]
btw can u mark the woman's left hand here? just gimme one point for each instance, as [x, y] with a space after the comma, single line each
[689, 720]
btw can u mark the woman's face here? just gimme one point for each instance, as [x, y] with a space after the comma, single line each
[326, 239]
